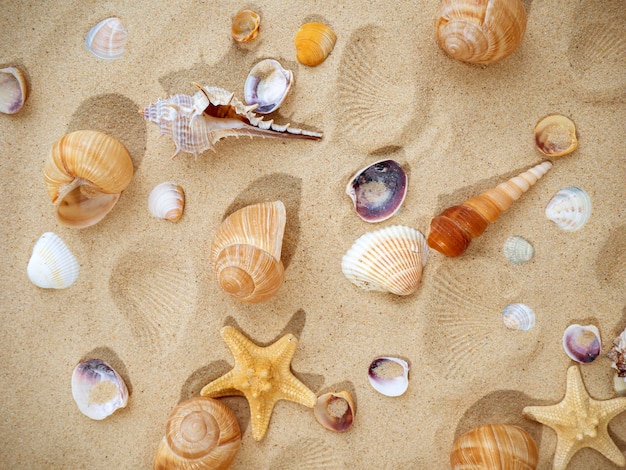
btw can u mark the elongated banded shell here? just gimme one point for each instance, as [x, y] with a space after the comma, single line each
[569, 208]
[335, 411]
[481, 31]
[452, 231]
[390, 259]
[314, 42]
[267, 86]
[85, 173]
[518, 317]
[201, 433]
[52, 264]
[13, 90]
[582, 343]
[98, 390]
[518, 250]
[245, 26]
[495, 446]
[107, 39]
[246, 250]
[555, 136]
[167, 201]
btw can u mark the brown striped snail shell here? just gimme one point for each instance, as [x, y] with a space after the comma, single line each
[85, 173]
[246, 250]
[201, 433]
[480, 31]
[452, 231]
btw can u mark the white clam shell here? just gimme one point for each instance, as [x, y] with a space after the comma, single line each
[518, 250]
[98, 389]
[518, 317]
[52, 265]
[167, 201]
[267, 85]
[570, 208]
[383, 376]
[107, 39]
[390, 259]
[13, 90]
[582, 343]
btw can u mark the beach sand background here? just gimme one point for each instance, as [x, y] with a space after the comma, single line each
[146, 301]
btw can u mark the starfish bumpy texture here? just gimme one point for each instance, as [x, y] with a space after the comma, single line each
[580, 421]
[262, 375]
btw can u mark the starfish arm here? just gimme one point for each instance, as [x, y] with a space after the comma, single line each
[565, 450]
[609, 409]
[260, 415]
[605, 445]
[242, 348]
[223, 386]
[282, 351]
[293, 390]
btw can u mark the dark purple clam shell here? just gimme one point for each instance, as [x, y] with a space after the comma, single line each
[582, 343]
[378, 190]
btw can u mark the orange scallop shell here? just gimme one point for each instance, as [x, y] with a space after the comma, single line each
[314, 42]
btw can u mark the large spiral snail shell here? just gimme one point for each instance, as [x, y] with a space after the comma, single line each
[246, 249]
[452, 231]
[480, 31]
[201, 433]
[85, 173]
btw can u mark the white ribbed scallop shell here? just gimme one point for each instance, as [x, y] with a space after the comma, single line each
[52, 265]
[167, 201]
[390, 259]
[518, 317]
[107, 39]
[518, 250]
[570, 208]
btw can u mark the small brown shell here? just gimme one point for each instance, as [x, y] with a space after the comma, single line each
[314, 42]
[335, 411]
[245, 26]
[201, 433]
[555, 136]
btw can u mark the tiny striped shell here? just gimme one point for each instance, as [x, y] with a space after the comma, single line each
[52, 265]
[390, 259]
[167, 201]
[569, 209]
[107, 39]
[518, 250]
[518, 317]
[314, 42]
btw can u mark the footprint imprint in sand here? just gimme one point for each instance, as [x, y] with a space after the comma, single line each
[308, 454]
[380, 103]
[611, 261]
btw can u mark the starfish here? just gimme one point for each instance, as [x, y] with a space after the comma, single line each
[580, 421]
[262, 375]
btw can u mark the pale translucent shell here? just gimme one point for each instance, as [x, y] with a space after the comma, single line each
[569, 209]
[267, 86]
[245, 26]
[619, 385]
[13, 90]
[107, 39]
[167, 201]
[555, 136]
[98, 389]
[314, 42]
[389, 376]
[518, 317]
[518, 250]
[52, 265]
[390, 259]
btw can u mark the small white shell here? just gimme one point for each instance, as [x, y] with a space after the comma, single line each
[52, 265]
[518, 250]
[13, 90]
[167, 201]
[107, 39]
[582, 343]
[384, 377]
[619, 384]
[569, 209]
[518, 317]
[98, 389]
[267, 85]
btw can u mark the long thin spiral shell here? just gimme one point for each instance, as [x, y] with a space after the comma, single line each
[480, 31]
[452, 231]
[201, 433]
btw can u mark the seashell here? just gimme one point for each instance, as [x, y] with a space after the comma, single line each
[452, 231]
[582, 343]
[495, 446]
[518, 250]
[201, 433]
[518, 317]
[335, 411]
[378, 190]
[13, 90]
[314, 42]
[52, 265]
[245, 26]
[167, 201]
[267, 86]
[619, 385]
[389, 376]
[618, 355]
[98, 389]
[107, 39]
[390, 259]
[85, 173]
[569, 209]
[555, 136]
[480, 32]
[246, 249]
[197, 123]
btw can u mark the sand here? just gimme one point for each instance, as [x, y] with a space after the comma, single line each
[146, 301]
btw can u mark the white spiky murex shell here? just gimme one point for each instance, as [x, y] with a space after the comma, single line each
[570, 208]
[390, 259]
[167, 201]
[52, 264]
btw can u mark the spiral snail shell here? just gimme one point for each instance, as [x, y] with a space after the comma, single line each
[246, 249]
[201, 433]
[480, 31]
[85, 173]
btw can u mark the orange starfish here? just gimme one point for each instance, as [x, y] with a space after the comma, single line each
[580, 421]
[262, 375]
